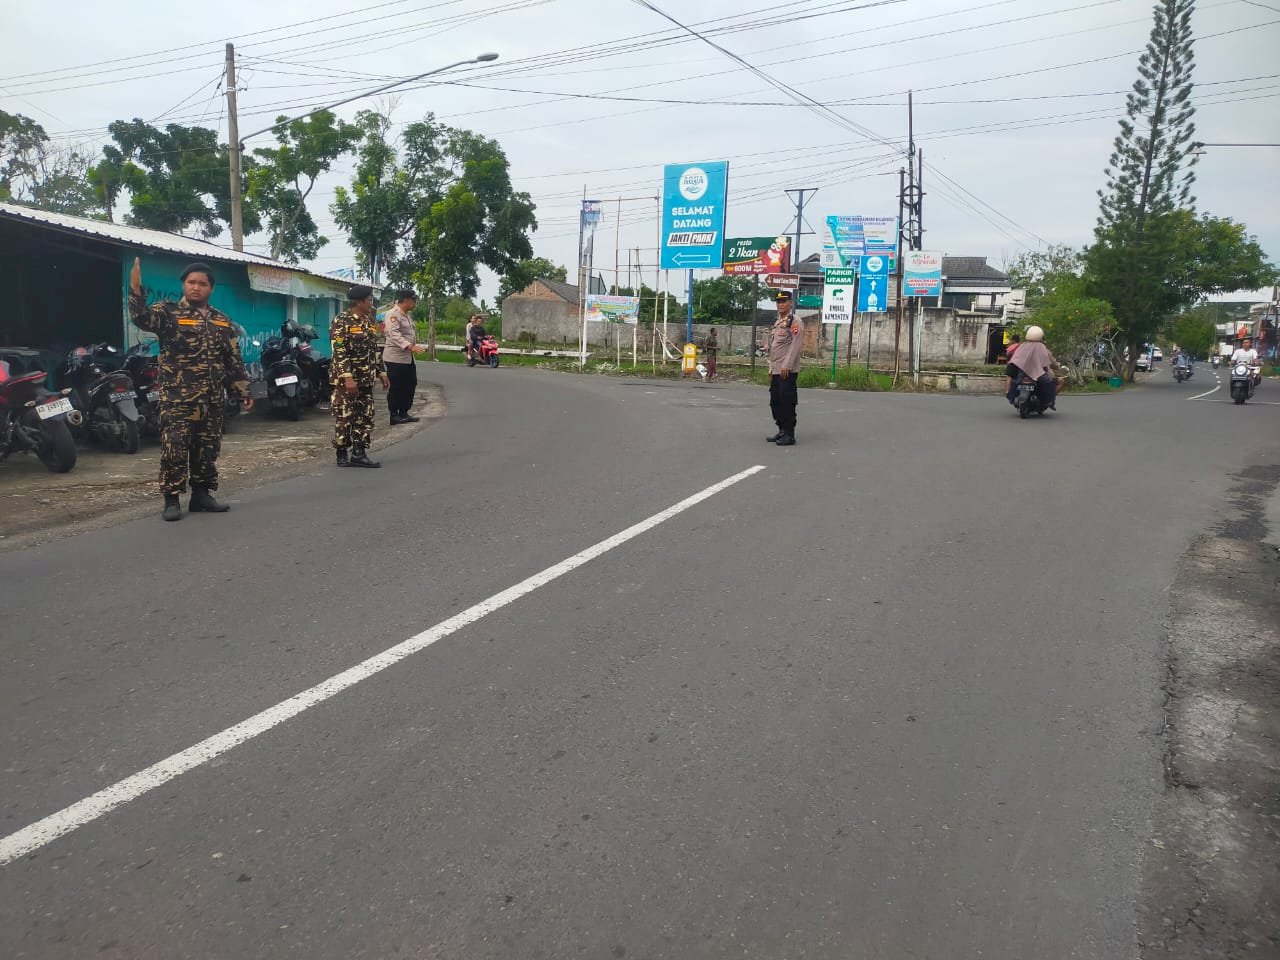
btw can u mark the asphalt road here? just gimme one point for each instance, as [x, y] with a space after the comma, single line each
[895, 695]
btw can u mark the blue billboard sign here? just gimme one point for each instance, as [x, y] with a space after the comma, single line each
[873, 283]
[845, 239]
[693, 207]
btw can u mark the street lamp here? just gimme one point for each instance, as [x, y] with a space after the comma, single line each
[237, 145]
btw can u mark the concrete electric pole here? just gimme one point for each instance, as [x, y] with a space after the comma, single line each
[233, 142]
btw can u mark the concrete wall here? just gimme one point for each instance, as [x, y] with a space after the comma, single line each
[947, 337]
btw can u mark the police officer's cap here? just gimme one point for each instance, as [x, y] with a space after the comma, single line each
[359, 292]
[198, 268]
[783, 295]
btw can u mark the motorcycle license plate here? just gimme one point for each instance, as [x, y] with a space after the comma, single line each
[154, 396]
[122, 396]
[281, 381]
[53, 408]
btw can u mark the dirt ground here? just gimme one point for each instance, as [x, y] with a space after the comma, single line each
[106, 488]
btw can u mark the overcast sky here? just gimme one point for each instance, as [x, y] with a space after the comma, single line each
[1016, 101]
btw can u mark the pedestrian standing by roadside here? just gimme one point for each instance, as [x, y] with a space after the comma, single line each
[199, 362]
[785, 345]
[397, 357]
[711, 347]
[356, 365]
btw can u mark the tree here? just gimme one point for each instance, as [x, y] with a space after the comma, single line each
[1149, 179]
[176, 178]
[1196, 331]
[1074, 323]
[525, 272]
[468, 214]
[723, 299]
[283, 177]
[433, 211]
[36, 174]
[1039, 272]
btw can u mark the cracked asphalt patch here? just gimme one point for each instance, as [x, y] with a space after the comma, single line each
[1210, 884]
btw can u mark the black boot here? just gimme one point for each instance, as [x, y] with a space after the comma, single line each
[342, 457]
[202, 502]
[361, 459]
[775, 438]
[786, 440]
[172, 507]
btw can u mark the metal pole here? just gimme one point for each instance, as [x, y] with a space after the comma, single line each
[897, 333]
[666, 304]
[688, 323]
[233, 152]
[835, 346]
[755, 310]
[582, 275]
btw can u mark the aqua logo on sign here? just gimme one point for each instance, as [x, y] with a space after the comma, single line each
[873, 283]
[693, 206]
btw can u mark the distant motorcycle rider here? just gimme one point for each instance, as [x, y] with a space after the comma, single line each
[1034, 360]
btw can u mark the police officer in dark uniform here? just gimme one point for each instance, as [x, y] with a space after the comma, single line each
[199, 363]
[357, 363]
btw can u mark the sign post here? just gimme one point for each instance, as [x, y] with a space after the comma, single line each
[693, 207]
[839, 294]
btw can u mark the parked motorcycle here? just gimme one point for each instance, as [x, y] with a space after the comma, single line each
[485, 352]
[1244, 380]
[104, 394]
[144, 368]
[34, 420]
[295, 376]
[1028, 399]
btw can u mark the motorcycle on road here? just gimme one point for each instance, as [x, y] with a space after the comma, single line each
[1244, 380]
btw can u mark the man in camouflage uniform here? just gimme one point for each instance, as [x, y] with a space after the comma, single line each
[357, 362]
[199, 362]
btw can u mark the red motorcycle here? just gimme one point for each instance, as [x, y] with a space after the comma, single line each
[35, 420]
[485, 352]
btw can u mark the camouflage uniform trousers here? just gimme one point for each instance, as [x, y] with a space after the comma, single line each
[190, 441]
[353, 417]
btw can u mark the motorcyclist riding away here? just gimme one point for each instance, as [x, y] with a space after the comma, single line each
[1034, 360]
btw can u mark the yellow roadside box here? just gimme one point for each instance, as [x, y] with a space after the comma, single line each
[689, 362]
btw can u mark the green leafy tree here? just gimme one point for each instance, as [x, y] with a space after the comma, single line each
[1039, 272]
[35, 173]
[525, 272]
[468, 214]
[1074, 323]
[377, 211]
[1195, 331]
[724, 299]
[1149, 179]
[175, 178]
[282, 178]
[433, 209]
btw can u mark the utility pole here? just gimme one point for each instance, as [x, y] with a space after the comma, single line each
[799, 196]
[233, 142]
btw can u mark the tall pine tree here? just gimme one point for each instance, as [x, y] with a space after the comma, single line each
[1149, 179]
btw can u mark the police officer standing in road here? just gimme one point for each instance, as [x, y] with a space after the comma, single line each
[199, 362]
[784, 370]
[357, 362]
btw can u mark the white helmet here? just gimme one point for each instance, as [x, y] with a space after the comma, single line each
[1034, 335]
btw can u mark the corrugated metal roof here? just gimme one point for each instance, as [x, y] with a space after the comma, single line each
[125, 235]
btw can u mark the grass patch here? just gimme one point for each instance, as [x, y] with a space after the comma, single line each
[1090, 386]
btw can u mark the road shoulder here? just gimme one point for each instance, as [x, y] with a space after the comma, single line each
[1210, 882]
[106, 489]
